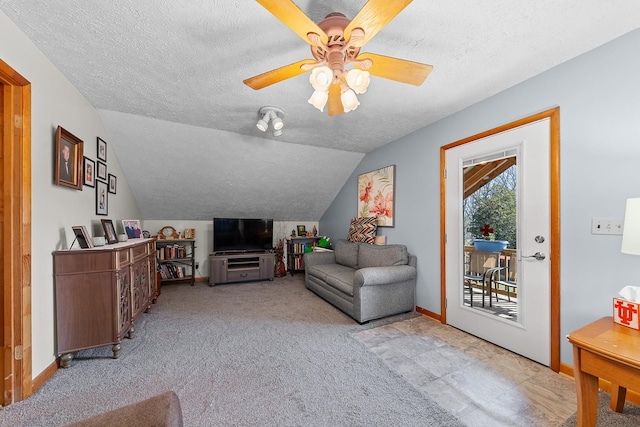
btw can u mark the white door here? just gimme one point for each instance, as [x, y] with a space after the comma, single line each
[530, 334]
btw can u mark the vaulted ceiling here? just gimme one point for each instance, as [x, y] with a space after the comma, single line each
[167, 80]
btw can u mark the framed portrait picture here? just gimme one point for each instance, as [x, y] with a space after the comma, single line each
[109, 231]
[102, 170]
[69, 157]
[82, 236]
[102, 150]
[132, 228]
[376, 195]
[302, 230]
[102, 200]
[112, 181]
[89, 174]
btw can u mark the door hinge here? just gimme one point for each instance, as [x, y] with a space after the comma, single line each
[445, 303]
[445, 174]
[18, 352]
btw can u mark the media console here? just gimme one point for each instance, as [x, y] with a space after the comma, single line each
[240, 267]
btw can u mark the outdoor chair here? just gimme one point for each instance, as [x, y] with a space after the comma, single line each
[478, 272]
[505, 276]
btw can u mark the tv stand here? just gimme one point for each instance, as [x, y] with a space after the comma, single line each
[240, 267]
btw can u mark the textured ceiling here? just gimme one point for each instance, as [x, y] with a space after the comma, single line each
[166, 77]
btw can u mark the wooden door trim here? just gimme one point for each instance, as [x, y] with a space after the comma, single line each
[553, 115]
[16, 146]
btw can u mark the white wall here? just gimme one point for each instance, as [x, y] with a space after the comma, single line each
[599, 99]
[55, 101]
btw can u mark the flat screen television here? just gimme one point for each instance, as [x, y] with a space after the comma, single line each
[242, 235]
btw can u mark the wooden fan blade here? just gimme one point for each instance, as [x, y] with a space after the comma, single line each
[400, 70]
[335, 103]
[373, 17]
[279, 74]
[293, 17]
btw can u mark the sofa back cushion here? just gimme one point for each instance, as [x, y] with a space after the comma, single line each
[346, 253]
[382, 255]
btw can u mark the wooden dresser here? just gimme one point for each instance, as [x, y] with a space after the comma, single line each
[100, 293]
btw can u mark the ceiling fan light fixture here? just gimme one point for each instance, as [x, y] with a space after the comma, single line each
[349, 100]
[358, 80]
[319, 99]
[321, 78]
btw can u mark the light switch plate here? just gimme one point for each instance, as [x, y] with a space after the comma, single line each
[611, 226]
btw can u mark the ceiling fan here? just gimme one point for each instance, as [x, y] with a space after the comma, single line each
[335, 43]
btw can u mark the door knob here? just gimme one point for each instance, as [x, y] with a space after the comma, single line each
[538, 255]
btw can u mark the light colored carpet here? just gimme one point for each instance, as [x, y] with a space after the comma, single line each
[251, 354]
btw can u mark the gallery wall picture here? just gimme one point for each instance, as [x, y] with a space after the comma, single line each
[102, 150]
[102, 170]
[69, 154]
[89, 172]
[113, 181]
[376, 195]
[102, 199]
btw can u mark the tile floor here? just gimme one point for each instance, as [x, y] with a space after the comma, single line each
[484, 385]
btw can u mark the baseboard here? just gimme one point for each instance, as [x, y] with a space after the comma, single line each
[428, 313]
[44, 376]
[202, 279]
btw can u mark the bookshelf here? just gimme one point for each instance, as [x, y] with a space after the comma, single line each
[296, 247]
[175, 259]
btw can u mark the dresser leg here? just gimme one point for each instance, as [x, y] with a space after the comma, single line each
[65, 360]
[116, 350]
[132, 333]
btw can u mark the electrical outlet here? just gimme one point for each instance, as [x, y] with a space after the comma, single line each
[611, 226]
[197, 265]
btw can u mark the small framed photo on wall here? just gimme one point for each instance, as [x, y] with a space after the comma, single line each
[89, 172]
[102, 170]
[113, 181]
[102, 150]
[102, 200]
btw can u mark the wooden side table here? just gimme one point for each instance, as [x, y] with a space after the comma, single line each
[604, 349]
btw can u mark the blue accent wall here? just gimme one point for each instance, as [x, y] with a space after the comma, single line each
[599, 98]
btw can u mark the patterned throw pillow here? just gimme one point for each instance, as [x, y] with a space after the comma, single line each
[363, 230]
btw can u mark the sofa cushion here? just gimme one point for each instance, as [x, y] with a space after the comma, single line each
[363, 229]
[346, 253]
[382, 255]
[335, 275]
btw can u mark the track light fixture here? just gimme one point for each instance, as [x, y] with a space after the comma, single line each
[273, 115]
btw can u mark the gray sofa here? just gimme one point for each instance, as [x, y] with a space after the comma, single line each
[365, 281]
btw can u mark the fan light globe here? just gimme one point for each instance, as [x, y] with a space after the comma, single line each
[320, 78]
[319, 99]
[349, 100]
[358, 80]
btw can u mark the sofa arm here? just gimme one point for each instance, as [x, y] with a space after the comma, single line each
[318, 258]
[371, 276]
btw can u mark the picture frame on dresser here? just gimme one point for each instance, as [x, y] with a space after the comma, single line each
[82, 236]
[102, 198]
[109, 231]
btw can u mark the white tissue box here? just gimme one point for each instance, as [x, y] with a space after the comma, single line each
[626, 313]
